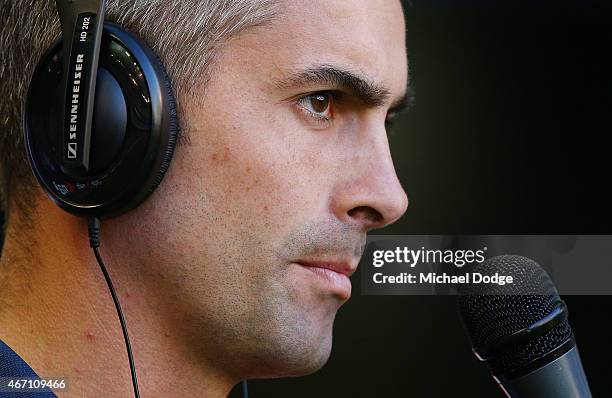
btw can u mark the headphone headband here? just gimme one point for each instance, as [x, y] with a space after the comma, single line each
[82, 23]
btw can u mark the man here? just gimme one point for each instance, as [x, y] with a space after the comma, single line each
[283, 167]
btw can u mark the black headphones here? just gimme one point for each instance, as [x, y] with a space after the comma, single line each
[100, 124]
[100, 119]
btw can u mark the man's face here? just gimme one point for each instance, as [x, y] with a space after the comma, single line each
[287, 163]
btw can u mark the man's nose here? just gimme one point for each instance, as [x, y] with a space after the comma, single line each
[370, 195]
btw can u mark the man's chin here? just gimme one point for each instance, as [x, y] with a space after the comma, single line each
[310, 366]
[293, 360]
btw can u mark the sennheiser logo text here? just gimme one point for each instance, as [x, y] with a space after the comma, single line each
[75, 104]
[75, 94]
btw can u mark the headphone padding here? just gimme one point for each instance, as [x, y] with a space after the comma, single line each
[173, 131]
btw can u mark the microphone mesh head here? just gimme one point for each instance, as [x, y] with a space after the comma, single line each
[491, 311]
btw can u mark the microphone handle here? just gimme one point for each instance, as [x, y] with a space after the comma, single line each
[562, 378]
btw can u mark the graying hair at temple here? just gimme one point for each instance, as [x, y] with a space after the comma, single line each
[185, 34]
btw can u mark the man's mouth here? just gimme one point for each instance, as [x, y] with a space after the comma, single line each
[334, 274]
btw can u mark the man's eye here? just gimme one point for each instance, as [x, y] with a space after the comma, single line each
[318, 104]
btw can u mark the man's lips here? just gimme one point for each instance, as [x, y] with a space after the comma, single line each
[335, 275]
[341, 267]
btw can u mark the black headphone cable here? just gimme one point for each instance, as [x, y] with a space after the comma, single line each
[93, 229]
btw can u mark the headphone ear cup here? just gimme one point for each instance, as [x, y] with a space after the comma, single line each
[109, 122]
[134, 133]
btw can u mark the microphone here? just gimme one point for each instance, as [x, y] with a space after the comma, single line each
[521, 331]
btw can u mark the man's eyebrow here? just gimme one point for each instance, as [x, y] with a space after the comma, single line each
[369, 93]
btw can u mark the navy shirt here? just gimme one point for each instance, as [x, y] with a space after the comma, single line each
[11, 365]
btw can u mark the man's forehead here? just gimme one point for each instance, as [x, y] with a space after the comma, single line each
[364, 36]
[343, 9]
